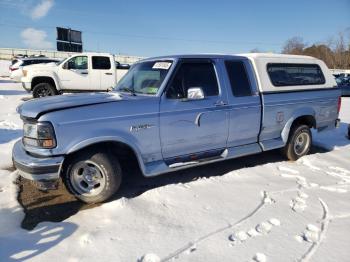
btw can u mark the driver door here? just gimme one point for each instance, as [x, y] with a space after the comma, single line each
[74, 74]
[193, 128]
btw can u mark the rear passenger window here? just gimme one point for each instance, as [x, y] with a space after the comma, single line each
[26, 62]
[196, 74]
[38, 61]
[295, 74]
[239, 80]
[101, 62]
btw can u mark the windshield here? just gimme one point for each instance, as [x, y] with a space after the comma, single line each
[144, 77]
[61, 61]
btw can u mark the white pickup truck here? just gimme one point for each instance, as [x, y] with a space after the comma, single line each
[83, 72]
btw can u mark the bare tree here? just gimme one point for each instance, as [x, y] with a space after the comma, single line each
[294, 45]
[347, 32]
[339, 51]
[329, 53]
[335, 52]
[255, 50]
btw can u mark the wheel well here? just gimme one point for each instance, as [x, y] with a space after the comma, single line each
[125, 154]
[308, 120]
[42, 79]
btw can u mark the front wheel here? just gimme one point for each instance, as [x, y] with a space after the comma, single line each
[93, 177]
[299, 142]
[44, 89]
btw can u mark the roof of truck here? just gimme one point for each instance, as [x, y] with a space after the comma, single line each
[260, 62]
[271, 55]
[188, 56]
[91, 53]
[254, 56]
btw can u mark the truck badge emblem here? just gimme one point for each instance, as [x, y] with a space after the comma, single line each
[140, 127]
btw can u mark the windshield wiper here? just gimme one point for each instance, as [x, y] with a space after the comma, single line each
[127, 89]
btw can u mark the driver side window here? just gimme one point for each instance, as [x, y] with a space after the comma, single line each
[78, 62]
[190, 75]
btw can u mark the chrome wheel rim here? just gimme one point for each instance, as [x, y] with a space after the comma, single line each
[301, 143]
[87, 178]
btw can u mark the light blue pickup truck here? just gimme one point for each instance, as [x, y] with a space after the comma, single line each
[174, 112]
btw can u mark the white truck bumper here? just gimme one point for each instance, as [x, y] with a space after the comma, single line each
[27, 86]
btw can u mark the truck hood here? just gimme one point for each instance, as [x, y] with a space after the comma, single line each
[38, 107]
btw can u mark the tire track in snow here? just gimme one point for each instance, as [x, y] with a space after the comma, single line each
[261, 229]
[339, 216]
[324, 227]
[193, 244]
[298, 203]
[303, 182]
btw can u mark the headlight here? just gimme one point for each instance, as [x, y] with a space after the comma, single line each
[39, 135]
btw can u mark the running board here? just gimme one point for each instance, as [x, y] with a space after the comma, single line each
[160, 167]
[203, 160]
[228, 153]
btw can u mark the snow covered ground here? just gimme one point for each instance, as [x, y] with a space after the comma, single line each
[248, 209]
[4, 68]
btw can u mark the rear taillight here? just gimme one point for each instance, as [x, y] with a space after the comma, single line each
[13, 69]
[339, 103]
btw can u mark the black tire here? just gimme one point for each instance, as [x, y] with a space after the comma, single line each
[105, 164]
[44, 89]
[292, 149]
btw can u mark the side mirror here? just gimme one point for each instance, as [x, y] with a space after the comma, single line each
[65, 65]
[123, 66]
[69, 65]
[195, 93]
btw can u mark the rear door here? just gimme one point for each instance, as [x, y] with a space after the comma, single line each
[244, 102]
[103, 73]
[193, 129]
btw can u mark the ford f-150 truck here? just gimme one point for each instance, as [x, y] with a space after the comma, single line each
[83, 72]
[174, 112]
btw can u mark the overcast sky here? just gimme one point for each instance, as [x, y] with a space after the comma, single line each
[155, 27]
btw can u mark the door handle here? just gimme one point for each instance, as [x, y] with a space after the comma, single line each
[220, 103]
[108, 74]
[84, 73]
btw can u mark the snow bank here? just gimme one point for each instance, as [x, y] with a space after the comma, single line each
[4, 68]
[11, 213]
[11, 95]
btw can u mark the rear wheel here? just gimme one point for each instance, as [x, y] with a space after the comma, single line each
[44, 89]
[299, 142]
[93, 177]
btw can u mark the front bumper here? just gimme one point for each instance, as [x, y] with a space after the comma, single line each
[27, 86]
[36, 168]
